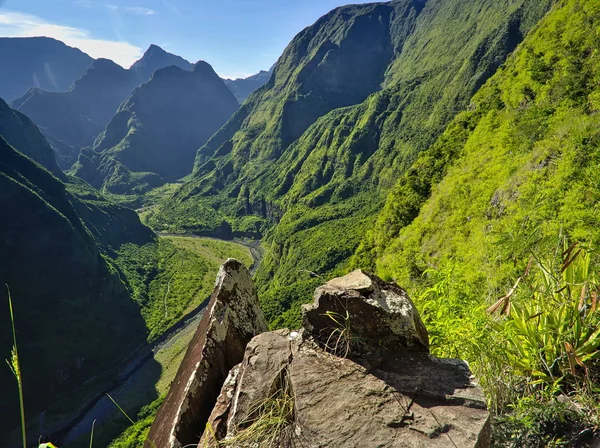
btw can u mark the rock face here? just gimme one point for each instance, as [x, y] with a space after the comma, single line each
[232, 318]
[386, 392]
[381, 313]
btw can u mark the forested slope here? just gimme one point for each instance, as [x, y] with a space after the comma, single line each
[352, 102]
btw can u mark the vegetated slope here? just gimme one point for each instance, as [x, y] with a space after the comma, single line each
[154, 136]
[243, 87]
[351, 103]
[182, 279]
[73, 313]
[72, 120]
[513, 170]
[38, 62]
[493, 210]
[20, 132]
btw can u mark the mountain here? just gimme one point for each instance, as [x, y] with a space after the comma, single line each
[20, 132]
[74, 314]
[243, 87]
[351, 103]
[511, 173]
[38, 62]
[73, 119]
[155, 58]
[154, 135]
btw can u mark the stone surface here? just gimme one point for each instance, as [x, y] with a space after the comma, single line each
[257, 378]
[408, 400]
[232, 318]
[390, 394]
[380, 315]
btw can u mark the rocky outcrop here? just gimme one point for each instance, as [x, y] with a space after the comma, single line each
[382, 389]
[359, 374]
[232, 318]
[381, 313]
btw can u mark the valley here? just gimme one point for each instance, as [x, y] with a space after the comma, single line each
[184, 283]
[444, 150]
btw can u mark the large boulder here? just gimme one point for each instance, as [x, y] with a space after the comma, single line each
[293, 389]
[232, 318]
[377, 314]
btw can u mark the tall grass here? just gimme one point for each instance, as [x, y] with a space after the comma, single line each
[15, 367]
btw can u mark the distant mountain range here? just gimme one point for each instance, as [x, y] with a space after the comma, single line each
[243, 87]
[74, 108]
[38, 62]
[157, 130]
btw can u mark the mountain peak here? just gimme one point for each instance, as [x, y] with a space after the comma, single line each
[154, 49]
[153, 59]
[205, 69]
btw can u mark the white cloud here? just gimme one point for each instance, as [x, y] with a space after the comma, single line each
[137, 10]
[15, 24]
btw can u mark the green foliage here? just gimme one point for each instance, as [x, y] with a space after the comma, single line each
[312, 154]
[173, 276]
[136, 435]
[553, 331]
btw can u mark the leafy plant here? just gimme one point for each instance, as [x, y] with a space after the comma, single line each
[553, 324]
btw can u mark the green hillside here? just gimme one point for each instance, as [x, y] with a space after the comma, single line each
[74, 313]
[308, 158]
[518, 164]
[20, 132]
[492, 201]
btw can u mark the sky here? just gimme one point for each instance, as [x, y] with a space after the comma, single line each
[237, 37]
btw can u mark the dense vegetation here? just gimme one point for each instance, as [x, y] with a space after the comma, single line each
[74, 316]
[316, 148]
[487, 208]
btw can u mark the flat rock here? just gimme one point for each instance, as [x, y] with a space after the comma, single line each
[408, 400]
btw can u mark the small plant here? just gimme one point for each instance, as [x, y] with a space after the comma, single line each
[339, 341]
[126, 416]
[15, 368]
[267, 423]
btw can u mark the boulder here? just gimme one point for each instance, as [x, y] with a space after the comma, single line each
[376, 314]
[232, 318]
[291, 390]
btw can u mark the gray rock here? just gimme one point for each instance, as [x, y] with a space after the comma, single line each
[377, 314]
[232, 318]
[408, 400]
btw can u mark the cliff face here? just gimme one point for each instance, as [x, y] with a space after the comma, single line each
[358, 374]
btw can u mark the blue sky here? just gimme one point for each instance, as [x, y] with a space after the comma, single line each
[237, 37]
